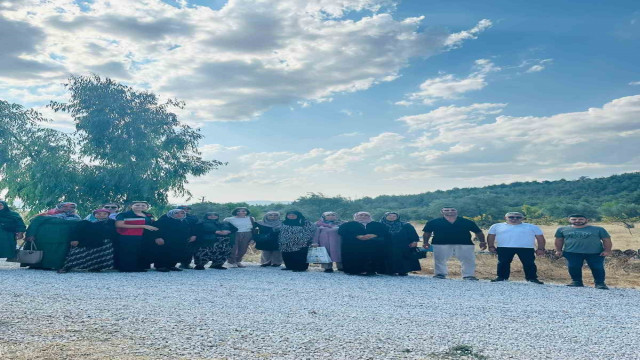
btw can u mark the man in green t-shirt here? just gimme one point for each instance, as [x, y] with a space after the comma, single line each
[579, 242]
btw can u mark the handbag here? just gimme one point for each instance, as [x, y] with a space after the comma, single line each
[265, 238]
[419, 253]
[29, 256]
[318, 255]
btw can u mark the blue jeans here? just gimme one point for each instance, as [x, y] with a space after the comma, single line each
[595, 262]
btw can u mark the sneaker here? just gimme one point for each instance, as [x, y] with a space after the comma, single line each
[439, 276]
[471, 278]
[199, 267]
[276, 265]
[535, 281]
[232, 265]
[218, 267]
[240, 265]
[602, 286]
[186, 267]
[498, 279]
[175, 269]
[575, 284]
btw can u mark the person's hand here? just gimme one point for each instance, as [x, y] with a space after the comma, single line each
[540, 252]
[362, 237]
[314, 245]
[30, 238]
[605, 253]
[558, 253]
[493, 249]
[149, 227]
[19, 235]
[225, 232]
[371, 236]
[75, 243]
[192, 239]
[483, 245]
[413, 244]
[160, 241]
[426, 245]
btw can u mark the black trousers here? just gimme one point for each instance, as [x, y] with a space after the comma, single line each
[296, 260]
[527, 257]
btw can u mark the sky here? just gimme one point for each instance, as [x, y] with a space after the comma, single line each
[354, 97]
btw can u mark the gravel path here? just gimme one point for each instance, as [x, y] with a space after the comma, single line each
[267, 313]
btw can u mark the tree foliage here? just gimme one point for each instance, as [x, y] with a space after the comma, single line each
[126, 146]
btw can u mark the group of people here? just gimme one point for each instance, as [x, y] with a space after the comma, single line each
[134, 241]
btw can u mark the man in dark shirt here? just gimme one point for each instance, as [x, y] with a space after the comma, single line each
[452, 237]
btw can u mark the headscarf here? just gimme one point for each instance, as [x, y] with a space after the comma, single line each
[394, 226]
[172, 213]
[365, 221]
[59, 213]
[299, 221]
[95, 219]
[326, 223]
[7, 213]
[206, 217]
[271, 223]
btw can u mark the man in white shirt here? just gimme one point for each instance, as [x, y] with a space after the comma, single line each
[516, 238]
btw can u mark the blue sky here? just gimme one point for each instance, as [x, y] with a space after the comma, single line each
[356, 97]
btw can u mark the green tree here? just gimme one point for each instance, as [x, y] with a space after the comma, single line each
[136, 146]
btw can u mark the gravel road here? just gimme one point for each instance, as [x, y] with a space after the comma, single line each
[267, 313]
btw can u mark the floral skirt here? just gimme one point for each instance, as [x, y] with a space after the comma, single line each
[217, 254]
[81, 258]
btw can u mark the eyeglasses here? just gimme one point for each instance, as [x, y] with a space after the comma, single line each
[514, 217]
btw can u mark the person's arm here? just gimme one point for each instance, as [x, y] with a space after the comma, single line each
[483, 242]
[607, 244]
[412, 235]
[491, 242]
[425, 239]
[559, 244]
[541, 243]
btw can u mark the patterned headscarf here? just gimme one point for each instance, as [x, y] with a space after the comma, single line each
[172, 214]
[276, 224]
[66, 215]
[394, 226]
[363, 221]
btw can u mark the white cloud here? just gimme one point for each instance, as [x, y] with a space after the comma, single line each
[538, 65]
[633, 83]
[450, 87]
[228, 64]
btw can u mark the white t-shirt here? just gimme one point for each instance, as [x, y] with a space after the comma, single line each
[522, 235]
[243, 224]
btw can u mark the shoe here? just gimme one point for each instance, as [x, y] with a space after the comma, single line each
[602, 286]
[219, 267]
[575, 284]
[535, 281]
[95, 270]
[471, 278]
[240, 265]
[199, 267]
[328, 270]
[499, 279]
[175, 269]
[370, 273]
[276, 265]
[439, 276]
[163, 269]
[62, 271]
[265, 265]
[186, 267]
[403, 274]
[298, 270]
[232, 266]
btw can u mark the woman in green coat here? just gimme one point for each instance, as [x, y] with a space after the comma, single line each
[52, 233]
[11, 229]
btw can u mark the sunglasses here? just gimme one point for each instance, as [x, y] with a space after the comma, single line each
[515, 217]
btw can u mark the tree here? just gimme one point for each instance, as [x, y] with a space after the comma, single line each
[136, 146]
[37, 165]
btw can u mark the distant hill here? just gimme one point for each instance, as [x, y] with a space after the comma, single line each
[615, 197]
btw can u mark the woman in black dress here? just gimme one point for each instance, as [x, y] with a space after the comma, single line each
[295, 237]
[403, 240]
[363, 245]
[92, 244]
[171, 240]
[213, 241]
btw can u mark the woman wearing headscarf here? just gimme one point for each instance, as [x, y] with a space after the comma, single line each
[130, 253]
[402, 240]
[12, 228]
[363, 242]
[213, 241]
[242, 220]
[268, 229]
[295, 237]
[92, 245]
[52, 233]
[111, 207]
[327, 236]
[171, 240]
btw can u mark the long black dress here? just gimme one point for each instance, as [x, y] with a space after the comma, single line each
[175, 234]
[363, 256]
[399, 259]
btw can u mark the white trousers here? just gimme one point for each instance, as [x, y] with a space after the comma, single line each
[464, 253]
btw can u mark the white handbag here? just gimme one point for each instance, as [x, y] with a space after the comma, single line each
[29, 256]
[318, 255]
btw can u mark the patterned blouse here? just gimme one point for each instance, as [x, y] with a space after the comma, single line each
[294, 238]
